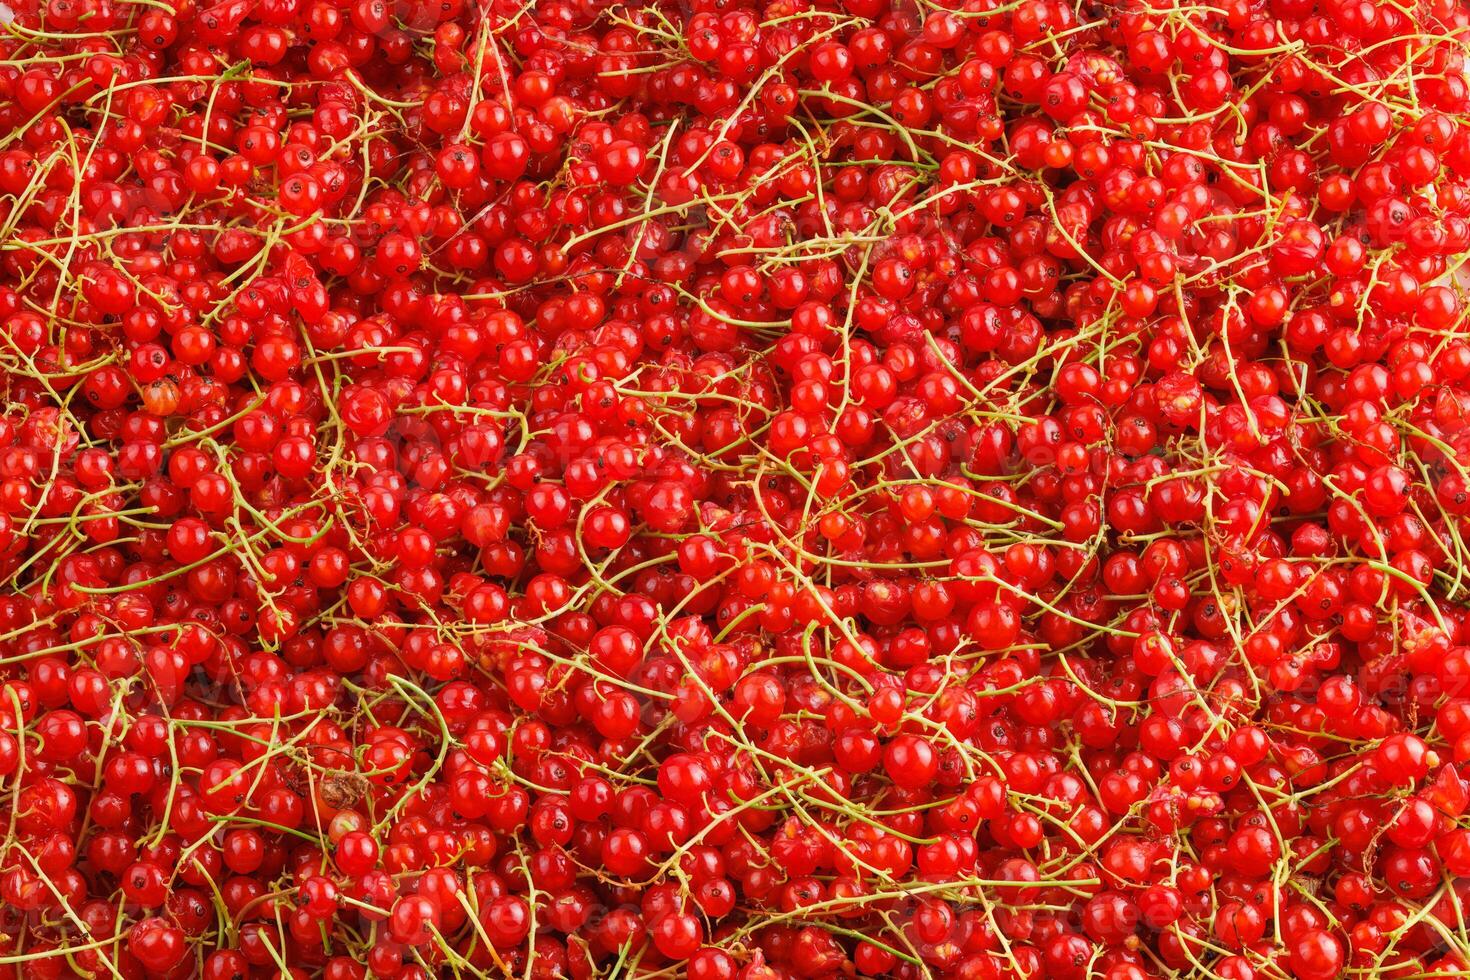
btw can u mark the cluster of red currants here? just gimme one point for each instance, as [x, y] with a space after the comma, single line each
[735, 490]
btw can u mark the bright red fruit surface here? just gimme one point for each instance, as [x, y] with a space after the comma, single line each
[727, 490]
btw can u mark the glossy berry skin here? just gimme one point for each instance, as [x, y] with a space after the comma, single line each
[746, 491]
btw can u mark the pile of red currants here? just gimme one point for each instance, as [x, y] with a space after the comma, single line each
[728, 490]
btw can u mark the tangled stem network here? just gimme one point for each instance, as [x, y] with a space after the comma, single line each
[734, 491]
